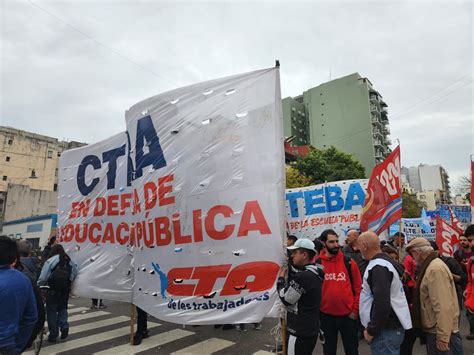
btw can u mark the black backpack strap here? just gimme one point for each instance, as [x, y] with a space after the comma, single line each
[348, 264]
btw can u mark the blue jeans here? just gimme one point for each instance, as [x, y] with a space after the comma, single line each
[56, 313]
[387, 342]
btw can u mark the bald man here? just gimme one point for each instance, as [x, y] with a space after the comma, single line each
[383, 306]
[352, 251]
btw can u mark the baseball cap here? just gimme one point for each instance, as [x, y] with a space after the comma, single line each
[302, 243]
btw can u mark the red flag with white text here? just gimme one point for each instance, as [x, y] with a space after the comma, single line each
[455, 221]
[447, 237]
[383, 202]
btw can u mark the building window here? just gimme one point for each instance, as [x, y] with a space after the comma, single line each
[5, 178]
[56, 172]
[55, 187]
[33, 228]
[7, 159]
[10, 141]
[50, 154]
[59, 154]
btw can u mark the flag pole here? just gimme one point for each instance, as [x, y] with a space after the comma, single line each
[132, 322]
[400, 228]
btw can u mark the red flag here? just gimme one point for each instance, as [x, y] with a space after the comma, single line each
[455, 221]
[383, 203]
[446, 237]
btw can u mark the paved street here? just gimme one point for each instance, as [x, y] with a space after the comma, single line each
[107, 332]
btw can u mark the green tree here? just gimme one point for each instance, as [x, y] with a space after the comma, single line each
[295, 179]
[329, 165]
[411, 206]
[464, 188]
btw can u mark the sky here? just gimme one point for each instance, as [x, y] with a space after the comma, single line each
[70, 69]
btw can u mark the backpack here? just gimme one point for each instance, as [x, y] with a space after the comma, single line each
[60, 279]
[348, 264]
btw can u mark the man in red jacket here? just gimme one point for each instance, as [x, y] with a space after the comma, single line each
[340, 296]
[469, 301]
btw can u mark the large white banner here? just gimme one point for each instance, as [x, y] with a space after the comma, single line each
[334, 205]
[193, 193]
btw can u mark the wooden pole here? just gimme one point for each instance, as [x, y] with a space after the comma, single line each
[284, 345]
[132, 321]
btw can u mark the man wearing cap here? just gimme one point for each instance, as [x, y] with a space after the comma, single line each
[435, 305]
[302, 298]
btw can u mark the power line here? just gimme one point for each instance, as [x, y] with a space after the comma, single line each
[426, 100]
[74, 28]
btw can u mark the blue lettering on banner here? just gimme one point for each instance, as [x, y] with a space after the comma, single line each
[146, 133]
[292, 198]
[111, 157]
[93, 161]
[311, 199]
[146, 139]
[326, 199]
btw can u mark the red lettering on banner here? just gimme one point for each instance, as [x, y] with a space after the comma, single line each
[109, 234]
[125, 202]
[197, 226]
[264, 274]
[136, 203]
[150, 194]
[162, 231]
[163, 234]
[92, 238]
[120, 239]
[178, 238]
[112, 204]
[252, 209]
[209, 223]
[207, 277]
[164, 189]
[175, 279]
[79, 209]
[100, 206]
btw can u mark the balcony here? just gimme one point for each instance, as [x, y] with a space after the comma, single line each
[376, 131]
[378, 143]
[379, 154]
[386, 130]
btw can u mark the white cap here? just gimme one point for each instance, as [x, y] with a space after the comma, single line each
[303, 243]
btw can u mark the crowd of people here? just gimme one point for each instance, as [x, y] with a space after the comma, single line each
[388, 293]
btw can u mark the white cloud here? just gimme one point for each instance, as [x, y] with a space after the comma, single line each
[58, 82]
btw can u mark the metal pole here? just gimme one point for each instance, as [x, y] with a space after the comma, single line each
[284, 345]
[132, 321]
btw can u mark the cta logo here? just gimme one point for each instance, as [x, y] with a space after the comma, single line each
[199, 281]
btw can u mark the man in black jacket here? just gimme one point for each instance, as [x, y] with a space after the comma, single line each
[302, 298]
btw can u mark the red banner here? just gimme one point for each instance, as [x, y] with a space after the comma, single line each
[455, 221]
[446, 237]
[383, 203]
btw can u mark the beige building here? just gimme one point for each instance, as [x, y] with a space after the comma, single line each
[29, 159]
[430, 198]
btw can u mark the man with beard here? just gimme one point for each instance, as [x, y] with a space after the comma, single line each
[340, 301]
